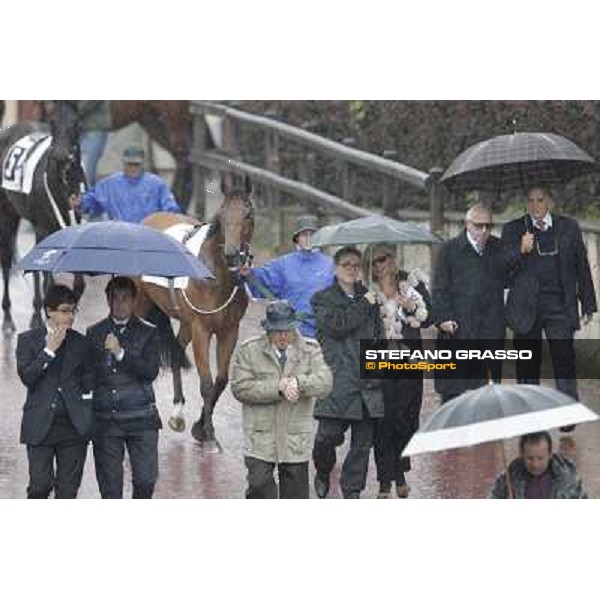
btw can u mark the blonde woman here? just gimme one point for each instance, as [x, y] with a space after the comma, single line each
[405, 305]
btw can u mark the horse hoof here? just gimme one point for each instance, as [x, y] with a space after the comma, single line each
[36, 321]
[177, 424]
[198, 431]
[211, 447]
[8, 328]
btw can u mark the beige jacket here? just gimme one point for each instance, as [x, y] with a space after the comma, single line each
[276, 430]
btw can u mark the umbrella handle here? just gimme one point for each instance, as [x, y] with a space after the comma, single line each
[509, 487]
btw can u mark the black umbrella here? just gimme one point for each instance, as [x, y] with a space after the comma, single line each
[518, 161]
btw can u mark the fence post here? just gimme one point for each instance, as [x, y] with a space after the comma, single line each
[273, 197]
[347, 176]
[436, 209]
[198, 202]
[388, 188]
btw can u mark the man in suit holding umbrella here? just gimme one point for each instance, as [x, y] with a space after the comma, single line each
[549, 278]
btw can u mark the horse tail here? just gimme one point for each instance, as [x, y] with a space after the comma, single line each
[171, 353]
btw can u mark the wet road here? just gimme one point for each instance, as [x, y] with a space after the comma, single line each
[187, 472]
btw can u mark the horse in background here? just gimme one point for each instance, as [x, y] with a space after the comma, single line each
[207, 308]
[167, 122]
[47, 206]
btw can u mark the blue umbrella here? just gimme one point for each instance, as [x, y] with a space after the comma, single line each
[114, 247]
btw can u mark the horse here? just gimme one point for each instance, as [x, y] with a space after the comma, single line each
[47, 206]
[210, 307]
[167, 122]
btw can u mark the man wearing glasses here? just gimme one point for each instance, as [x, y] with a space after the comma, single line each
[54, 364]
[549, 274]
[345, 313]
[468, 300]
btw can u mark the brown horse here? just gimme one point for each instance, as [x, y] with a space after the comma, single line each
[209, 307]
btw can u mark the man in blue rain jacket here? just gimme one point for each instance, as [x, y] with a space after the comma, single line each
[296, 276]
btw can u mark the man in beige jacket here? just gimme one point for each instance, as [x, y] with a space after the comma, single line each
[278, 377]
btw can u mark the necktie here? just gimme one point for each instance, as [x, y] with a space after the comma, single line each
[541, 224]
[282, 358]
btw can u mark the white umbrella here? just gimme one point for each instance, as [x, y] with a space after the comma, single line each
[496, 412]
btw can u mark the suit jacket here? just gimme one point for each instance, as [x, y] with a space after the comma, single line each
[575, 273]
[46, 377]
[123, 390]
[469, 289]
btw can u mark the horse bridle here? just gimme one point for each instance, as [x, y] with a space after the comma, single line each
[70, 163]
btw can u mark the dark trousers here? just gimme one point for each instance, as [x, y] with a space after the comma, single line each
[330, 435]
[293, 479]
[470, 374]
[402, 400]
[65, 446]
[109, 451]
[559, 333]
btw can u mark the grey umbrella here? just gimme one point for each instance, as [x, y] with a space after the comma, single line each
[496, 412]
[371, 230]
[517, 161]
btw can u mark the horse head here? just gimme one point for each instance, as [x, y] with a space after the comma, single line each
[235, 223]
[64, 156]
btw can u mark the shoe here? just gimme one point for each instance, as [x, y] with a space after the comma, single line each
[402, 490]
[321, 486]
[567, 428]
[352, 496]
[385, 491]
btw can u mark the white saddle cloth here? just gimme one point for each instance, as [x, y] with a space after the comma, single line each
[193, 244]
[21, 160]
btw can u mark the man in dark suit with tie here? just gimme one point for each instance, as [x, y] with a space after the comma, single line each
[549, 276]
[54, 363]
[126, 352]
[468, 301]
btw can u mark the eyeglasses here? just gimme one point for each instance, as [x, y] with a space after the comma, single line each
[481, 226]
[380, 259]
[65, 311]
[350, 265]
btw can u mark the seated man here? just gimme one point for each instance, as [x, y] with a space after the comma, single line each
[130, 195]
[277, 377]
[539, 474]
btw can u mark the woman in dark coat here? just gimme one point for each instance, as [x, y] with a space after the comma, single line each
[405, 305]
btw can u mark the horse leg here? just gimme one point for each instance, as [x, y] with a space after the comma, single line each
[8, 238]
[201, 345]
[8, 325]
[225, 345]
[177, 420]
[36, 318]
[78, 286]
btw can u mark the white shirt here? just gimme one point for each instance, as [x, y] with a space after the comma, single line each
[474, 244]
[547, 221]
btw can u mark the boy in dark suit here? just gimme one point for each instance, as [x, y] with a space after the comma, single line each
[54, 363]
[126, 362]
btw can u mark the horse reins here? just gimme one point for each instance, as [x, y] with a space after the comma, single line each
[53, 205]
[59, 218]
[201, 311]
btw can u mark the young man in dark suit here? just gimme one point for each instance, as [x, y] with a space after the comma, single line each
[54, 363]
[126, 353]
[550, 280]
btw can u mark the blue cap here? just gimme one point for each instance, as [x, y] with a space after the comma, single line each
[133, 154]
